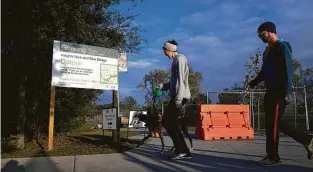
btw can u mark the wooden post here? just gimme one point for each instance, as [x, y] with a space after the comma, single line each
[113, 106]
[118, 122]
[116, 133]
[51, 119]
[103, 129]
[259, 128]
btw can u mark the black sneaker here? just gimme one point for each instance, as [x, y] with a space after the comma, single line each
[180, 156]
[309, 149]
[267, 161]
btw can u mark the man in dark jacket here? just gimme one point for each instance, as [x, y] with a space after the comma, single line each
[277, 72]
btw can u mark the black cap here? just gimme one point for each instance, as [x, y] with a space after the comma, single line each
[267, 26]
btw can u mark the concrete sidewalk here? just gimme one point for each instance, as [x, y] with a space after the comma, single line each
[207, 156]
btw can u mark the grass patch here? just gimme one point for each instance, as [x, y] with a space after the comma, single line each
[79, 142]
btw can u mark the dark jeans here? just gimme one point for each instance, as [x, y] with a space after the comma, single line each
[171, 124]
[274, 106]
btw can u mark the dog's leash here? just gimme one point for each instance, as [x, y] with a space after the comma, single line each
[156, 94]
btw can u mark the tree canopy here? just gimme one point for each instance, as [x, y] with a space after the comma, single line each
[27, 44]
[128, 103]
[159, 76]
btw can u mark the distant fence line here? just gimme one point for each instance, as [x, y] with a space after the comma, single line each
[299, 113]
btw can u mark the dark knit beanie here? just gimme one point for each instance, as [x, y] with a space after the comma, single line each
[267, 26]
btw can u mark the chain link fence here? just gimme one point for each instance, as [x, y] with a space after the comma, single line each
[298, 114]
[95, 121]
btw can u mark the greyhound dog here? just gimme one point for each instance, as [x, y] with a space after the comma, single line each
[154, 124]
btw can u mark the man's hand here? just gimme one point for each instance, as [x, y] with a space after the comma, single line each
[180, 110]
[179, 105]
[159, 86]
[246, 88]
[251, 84]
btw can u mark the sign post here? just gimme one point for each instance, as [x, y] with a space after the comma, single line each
[51, 119]
[116, 133]
[81, 66]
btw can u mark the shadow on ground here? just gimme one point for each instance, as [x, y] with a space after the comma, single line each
[212, 151]
[148, 158]
[46, 165]
[281, 141]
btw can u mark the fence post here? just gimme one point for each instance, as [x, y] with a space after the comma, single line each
[306, 110]
[258, 113]
[207, 97]
[295, 104]
[251, 108]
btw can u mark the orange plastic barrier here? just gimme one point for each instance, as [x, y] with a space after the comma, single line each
[217, 122]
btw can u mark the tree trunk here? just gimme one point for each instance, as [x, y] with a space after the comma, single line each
[21, 119]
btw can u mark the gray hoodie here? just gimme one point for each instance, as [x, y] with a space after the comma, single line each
[178, 85]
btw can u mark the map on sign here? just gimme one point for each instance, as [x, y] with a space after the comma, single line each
[109, 118]
[108, 74]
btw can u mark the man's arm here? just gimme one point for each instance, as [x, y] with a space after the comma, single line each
[181, 63]
[259, 78]
[285, 69]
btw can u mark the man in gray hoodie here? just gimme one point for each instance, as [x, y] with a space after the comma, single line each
[180, 94]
